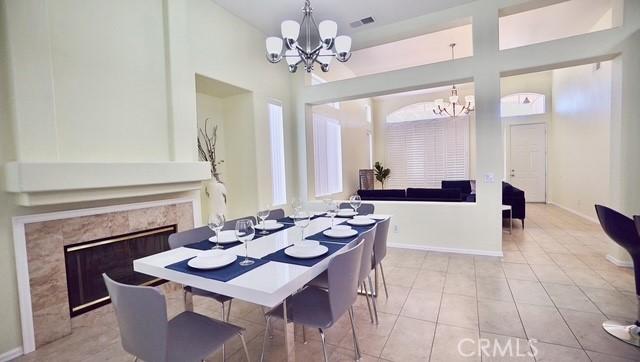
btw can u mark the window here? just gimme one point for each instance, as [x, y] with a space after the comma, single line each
[315, 80]
[327, 147]
[278, 175]
[522, 104]
[414, 112]
[370, 137]
[425, 152]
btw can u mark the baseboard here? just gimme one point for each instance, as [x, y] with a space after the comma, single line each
[618, 262]
[11, 354]
[592, 219]
[444, 250]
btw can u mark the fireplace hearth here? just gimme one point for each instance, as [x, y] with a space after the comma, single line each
[85, 262]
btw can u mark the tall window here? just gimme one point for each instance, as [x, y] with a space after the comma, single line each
[327, 147]
[423, 153]
[370, 139]
[276, 136]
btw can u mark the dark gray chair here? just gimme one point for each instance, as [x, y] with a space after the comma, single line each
[276, 214]
[380, 251]
[625, 233]
[322, 308]
[364, 209]
[146, 333]
[322, 280]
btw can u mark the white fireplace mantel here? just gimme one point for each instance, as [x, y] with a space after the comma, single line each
[48, 183]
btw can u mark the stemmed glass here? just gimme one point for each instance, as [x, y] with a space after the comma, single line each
[332, 210]
[216, 222]
[245, 231]
[262, 215]
[355, 202]
[301, 219]
[296, 206]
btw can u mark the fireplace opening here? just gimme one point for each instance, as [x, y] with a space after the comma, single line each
[87, 261]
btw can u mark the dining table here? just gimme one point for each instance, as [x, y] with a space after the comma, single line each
[268, 283]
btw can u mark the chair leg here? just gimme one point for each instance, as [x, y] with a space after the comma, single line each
[366, 295]
[304, 335]
[384, 281]
[264, 339]
[356, 346]
[228, 311]
[324, 347]
[373, 301]
[188, 301]
[223, 350]
[244, 345]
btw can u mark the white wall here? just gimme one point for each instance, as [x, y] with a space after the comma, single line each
[579, 138]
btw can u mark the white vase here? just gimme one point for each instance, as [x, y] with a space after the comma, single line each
[215, 196]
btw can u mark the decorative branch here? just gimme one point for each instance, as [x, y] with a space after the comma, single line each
[207, 148]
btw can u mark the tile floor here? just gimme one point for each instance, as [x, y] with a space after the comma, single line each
[552, 285]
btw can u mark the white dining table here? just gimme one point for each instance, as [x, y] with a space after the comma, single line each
[268, 285]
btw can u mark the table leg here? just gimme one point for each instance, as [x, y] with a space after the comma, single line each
[510, 221]
[289, 334]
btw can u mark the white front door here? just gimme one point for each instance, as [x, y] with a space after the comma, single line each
[528, 156]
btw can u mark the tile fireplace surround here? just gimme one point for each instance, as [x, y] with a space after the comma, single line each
[40, 261]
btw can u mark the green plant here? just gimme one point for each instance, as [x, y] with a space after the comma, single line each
[381, 173]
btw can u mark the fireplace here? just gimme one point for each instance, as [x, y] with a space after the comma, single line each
[114, 255]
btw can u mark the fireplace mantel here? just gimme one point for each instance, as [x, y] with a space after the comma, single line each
[48, 183]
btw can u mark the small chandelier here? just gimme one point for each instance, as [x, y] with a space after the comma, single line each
[453, 108]
[304, 50]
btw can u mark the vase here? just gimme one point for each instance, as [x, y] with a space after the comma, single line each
[215, 196]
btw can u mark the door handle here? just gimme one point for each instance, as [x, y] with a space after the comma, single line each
[513, 173]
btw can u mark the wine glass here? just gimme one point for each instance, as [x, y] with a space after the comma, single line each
[301, 219]
[262, 215]
[355, 202]
[296, 206]
[216, 222]
[332, 210]
[245, 231]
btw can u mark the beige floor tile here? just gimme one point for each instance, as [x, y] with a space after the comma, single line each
[612, 303]
[538, 258]
[518, 271]
[506, 349]
[567, 261]
[460, 284]
[587, 327]
[493, 289]
[410, 340]
[485, 268]
[422, 304]
[569, 297]
[371, 337]
[526, 291]
[454, 344]
[459, 310]
[513, 257]
[400, 276]
[430, 280]
[554, 353]
[551, 274]
[585, 277]
[461, 264]
[546, 325]
[500, 318]
[601, 357]
[393, 305]
[436, 262]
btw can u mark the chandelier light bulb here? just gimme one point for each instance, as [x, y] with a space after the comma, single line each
[470, 100]
[328, 30]
[274, 46]
[453, 99]
[292, 56]
[439, 102]
[290, 30]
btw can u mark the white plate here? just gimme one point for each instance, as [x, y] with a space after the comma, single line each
[348, 213]
[361, 221]
[269, 226]
[340, 233]
[226, 237]
[302, 252]
[208, 261]
[376, 216]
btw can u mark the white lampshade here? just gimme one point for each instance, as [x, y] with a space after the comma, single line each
[290, 29]
[325, 56]
[343, 44]
[453, 99]
[292, 56]
[328, 29]
[470, 99]
[274, 45]
[438, 102]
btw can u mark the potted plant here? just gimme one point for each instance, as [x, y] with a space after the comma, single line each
[215, 191]
[381, 173]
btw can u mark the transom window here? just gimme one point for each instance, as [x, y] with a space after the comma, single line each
[522, 104]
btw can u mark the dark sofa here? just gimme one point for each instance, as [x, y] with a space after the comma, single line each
[515, 197]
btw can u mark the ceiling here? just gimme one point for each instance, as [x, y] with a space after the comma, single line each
[267, 15]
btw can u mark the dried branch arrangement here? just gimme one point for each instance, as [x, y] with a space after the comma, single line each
[207, 148]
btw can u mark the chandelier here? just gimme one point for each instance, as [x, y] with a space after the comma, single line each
[454, 108]
[318, 43]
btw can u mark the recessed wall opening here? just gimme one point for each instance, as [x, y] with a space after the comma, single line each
[523, 26]
[559, 151]
[414, 134]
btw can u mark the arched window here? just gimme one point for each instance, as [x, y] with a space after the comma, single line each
[413, 112]
[522, 104]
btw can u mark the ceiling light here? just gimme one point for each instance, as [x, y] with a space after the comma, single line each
[453, 108]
